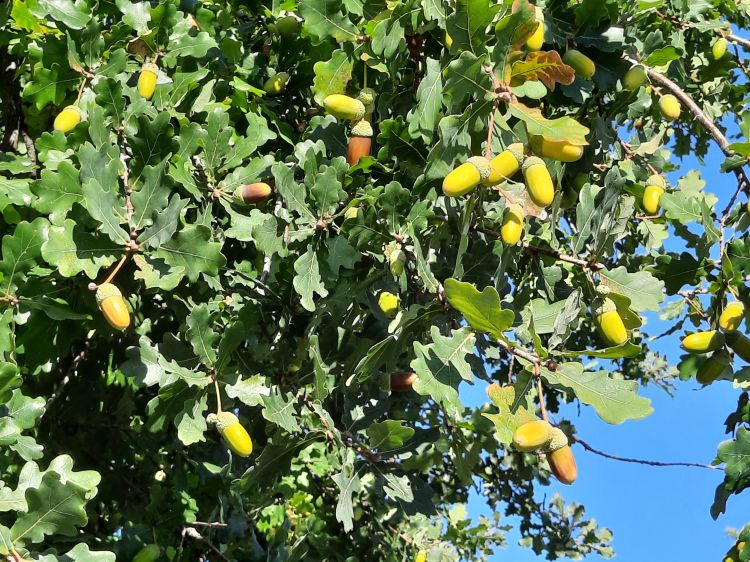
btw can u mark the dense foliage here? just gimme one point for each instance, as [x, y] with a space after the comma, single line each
[187, 252]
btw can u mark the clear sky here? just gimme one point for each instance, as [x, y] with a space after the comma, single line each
[655, 513]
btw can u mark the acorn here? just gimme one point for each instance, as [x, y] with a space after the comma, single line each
[536, 39]
[235, 436]
[531, 436]
[703, 342]
[276, 84]
[583, 65]
[147, 80]
[652, 194]
[562, 151]
[360, 142]
[67, 119]
[253, 193]
[731, 317]
[563, 464]
[538, 181]
[287, 26]
[110, 302]
[344, 107]
[506, 164]
[739, 344]
[713, 367]
[670, 107]
[403, 381]
[388, 303]
[610, 324]
[634, 78]
[466, 177]
[719, 48]
[512, 228]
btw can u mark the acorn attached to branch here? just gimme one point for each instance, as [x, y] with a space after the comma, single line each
[388, 303]
[235, 436]
[703, 342]
[532, 436]
[403, 381]
[360, 142]
[583, 65]
[536, 39]
[609, 322]
[719, 48]
[635, 77]
[652, 194]
[113, 307]
[538, 181]
[253, 193]
[67, 119]
[147, 80]
[467, 176]
[562, 151]
[563, 464]
[713, 367]
[731, 317]
[276, 84]
[670, 107]
[512, 228]
[344, 107]
[506, 164]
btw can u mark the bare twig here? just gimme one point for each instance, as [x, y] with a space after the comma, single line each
[194, 534]
[519, 352]
[586, 264]
[591, 449]
[540, 391]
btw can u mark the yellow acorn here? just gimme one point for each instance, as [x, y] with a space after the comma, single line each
[538, 181]
[561, 151]
[506, 164]
[652, 194]
[731, 317]
[611, 326]
[563, 464]
[396, 262]
[512, 227]
[467, 176]
[670, 107]
[276, 84]
[719, 48]
[252, 193]
[344, 107]
[740, 345]
[583, 65]
[67, 119]
[235, 436]
[713, 367]
[536, 40]
[388, 303]
[149, 553]
[147, 80]
[634, 78]
[110, 301]
[703, 342]
[448, 41]
[531, 436]
[421, 556]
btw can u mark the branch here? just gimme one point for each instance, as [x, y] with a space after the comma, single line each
[738, 40]
[591, 449]
[194, 534]
[586, 264]
[688, 102]
[519, 352]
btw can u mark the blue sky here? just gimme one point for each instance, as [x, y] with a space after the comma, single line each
[655, 513]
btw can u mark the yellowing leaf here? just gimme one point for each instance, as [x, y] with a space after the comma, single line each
[545, 66]
[560, 129]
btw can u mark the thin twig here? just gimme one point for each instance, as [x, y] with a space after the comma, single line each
[591, 449]
[586, 264]
[738, 40]
[519, 352]
[540, 391]
[194, 534]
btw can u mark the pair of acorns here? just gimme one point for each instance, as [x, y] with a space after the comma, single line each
[713, 341]
[480, 170]
[539, 436]
[669, 105]
[359, 111]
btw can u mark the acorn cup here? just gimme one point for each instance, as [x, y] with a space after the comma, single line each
[360, 142]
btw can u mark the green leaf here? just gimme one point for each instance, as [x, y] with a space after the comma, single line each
[74, 15]
[388, 435]
[481, 310]
[57, 191]
[280, 410]
[106, 206]
[72, 250]
[323, 19]
[467, 24]
[615, 400]
[467, 79]
[348, 482]
[193, 249]
[136, 15]
[331, 76]
[201, 334]
[512, 413]
[307, 280]
[511, 32]
[424, 117]
[21, 251]
[644, 290]
[341, 254]
[735, 454]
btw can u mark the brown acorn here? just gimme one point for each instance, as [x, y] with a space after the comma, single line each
[360, 142]
[253, 193]
[402, 381]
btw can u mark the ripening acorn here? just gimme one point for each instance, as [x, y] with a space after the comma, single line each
[287, 26]
[652, 194]
[448, 41]
[562, 151]
[670, 107]
[360, 142]
[634, 78]
[512, 228]
[610, 324]
[253, 193]
[467, 176]
[396, 262]
[703, 342]
[276, 84]
[149, 553]
[147, 80]
[506, 164]
[536, 39]
[344, 107]
[421, 556]
[235, 436]
[732, 315]
[713, 367]
[719, 48]
[583, 65]
[538, 181]
[531, 436]
[388, 303]
[113, 307]
[67, 119]
[740, 345]
[403, 381]
[563, 464]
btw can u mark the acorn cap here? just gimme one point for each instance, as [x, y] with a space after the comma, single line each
[516, 210]
[105, 291]
[150, 67]
[367, 96]
[604, 305]
[532, 161]
[482, 165]
[657, 180]
[73, 107]
[516, 149]
[558, 441]
[222, 420]
[603, 290]
[282, 75]
[362, 128]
